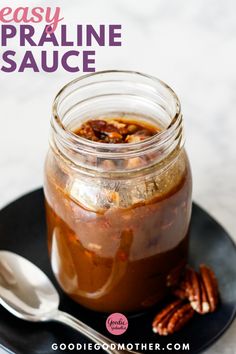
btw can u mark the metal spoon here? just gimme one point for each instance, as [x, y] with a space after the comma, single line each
[27, 293]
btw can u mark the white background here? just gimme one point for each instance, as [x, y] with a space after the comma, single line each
[191, 45]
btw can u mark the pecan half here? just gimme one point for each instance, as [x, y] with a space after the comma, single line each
[210, 285]
[200, 289]
[175, 274]
[194, 290]
[181, 290]
[205, 306]
[184, 287]
[172, 318]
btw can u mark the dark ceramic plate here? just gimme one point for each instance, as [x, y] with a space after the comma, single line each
[22, 230]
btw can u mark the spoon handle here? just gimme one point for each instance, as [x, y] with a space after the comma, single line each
[89, 332]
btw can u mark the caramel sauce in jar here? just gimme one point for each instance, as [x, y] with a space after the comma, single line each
[118, 207]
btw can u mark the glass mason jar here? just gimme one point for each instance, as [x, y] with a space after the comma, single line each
[117, 214]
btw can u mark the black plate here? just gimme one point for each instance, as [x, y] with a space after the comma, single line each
[22, 230]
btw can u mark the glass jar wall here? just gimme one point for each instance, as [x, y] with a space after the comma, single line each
[117, 214]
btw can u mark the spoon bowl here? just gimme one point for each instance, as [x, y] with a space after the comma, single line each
[25, 290]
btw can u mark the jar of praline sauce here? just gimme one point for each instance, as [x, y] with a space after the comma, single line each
[118, 191]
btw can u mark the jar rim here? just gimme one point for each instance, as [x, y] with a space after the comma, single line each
[111, 150]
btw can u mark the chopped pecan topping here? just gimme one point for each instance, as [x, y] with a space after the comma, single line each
[116, 131]
[172, 318]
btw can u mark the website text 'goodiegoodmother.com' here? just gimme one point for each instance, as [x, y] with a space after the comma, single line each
[119, 346]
